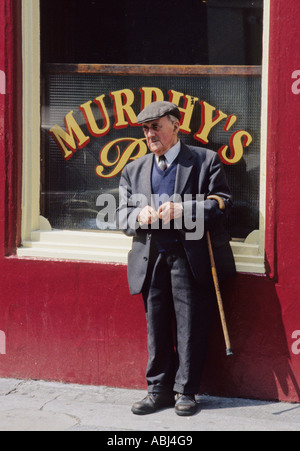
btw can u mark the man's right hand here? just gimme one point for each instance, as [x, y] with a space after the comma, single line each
[147, 216]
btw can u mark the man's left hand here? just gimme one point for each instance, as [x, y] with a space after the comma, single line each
[169, 211]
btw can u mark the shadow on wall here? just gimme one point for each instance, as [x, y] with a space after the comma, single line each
[261, 367]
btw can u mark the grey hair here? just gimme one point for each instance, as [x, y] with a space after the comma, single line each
[172, 118]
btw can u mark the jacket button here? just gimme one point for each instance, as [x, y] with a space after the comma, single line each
[146, 259]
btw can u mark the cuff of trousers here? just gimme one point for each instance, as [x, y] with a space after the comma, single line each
[159, 389]
[185, 390]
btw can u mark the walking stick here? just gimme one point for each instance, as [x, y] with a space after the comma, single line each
[216, 281]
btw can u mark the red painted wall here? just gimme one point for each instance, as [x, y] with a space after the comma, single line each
[76, 322]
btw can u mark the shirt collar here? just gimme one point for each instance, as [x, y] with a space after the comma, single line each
[172, 153]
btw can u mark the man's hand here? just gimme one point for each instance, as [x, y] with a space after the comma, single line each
[169, 211]
[147, 216]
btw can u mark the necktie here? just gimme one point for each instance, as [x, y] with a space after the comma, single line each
[162, 163]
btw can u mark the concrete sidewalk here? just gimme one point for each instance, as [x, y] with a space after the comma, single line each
[47, 406]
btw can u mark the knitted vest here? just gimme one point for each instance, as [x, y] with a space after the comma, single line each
[163, 183]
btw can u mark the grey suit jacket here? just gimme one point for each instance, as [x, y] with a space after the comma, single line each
[199, 172]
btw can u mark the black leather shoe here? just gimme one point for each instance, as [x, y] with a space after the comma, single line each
[186, 405]
[152, 403]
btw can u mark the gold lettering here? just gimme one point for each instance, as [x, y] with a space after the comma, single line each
[122, 159]
[90, 118]
[66, 139]
[123, 109]
[237, 144]
[112, 158]
[150, 95]
[230, 122]
[187, 110]
[208, 121]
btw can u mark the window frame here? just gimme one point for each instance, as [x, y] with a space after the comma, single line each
[38, 238]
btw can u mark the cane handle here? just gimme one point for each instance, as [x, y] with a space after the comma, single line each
[219, 200]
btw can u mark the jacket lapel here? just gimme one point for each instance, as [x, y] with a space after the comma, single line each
[146, 178]
[185, 166]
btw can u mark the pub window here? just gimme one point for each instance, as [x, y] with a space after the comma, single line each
[101, 62]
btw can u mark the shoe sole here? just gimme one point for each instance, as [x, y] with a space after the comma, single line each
[183, 413]
[149, 412]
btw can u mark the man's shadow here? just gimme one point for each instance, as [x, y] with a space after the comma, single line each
[261, 367]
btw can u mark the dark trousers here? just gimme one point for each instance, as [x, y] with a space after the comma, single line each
[179, 313]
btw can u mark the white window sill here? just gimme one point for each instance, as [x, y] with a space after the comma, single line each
[113, 247]
[105, 247]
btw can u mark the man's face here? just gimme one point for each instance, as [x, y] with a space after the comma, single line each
[161, 135]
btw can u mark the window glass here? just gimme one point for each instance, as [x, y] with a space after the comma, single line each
[102, 62]
[152, 32]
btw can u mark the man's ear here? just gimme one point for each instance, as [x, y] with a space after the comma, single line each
[176, 126]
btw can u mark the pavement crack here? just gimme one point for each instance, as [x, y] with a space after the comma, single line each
[15, 389]
[48, 402]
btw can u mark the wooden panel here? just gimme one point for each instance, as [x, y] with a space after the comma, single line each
[108, 69]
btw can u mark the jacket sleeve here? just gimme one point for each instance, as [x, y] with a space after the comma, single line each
[207, 210]
[130, 206]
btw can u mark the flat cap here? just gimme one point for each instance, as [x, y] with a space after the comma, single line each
[156, 110]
